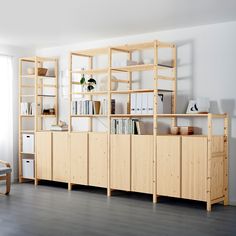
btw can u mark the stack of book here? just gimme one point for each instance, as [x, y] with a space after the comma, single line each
[27, 108]
[88, 107]
[142, 103]
[126, 126]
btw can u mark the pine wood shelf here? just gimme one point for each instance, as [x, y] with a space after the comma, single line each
[89, 72]
[35, 86]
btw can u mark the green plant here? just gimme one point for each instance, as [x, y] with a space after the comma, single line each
[90, 83]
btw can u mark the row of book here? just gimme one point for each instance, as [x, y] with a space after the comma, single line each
[142, 103]
[27, 108]
[126, 126]
[88, 107]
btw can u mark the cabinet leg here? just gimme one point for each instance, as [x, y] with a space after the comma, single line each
[154, 199]
[69, 186]
[208, 206]
[226, 201]
[36, 182]
[108, 192]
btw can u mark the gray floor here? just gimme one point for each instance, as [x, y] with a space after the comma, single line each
[52, 210]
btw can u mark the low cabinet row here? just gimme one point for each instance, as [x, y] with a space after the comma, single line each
[182, 168]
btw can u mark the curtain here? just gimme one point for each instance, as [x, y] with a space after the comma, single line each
[6, 108]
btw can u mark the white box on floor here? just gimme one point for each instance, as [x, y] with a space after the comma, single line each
[28, 168]
[28, 143]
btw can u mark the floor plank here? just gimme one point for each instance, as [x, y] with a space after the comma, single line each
[52, 210]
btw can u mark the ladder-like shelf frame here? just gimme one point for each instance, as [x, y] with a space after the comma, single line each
[155, 67]
[38, 100]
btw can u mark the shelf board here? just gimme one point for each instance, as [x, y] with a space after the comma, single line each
[131, 115]
[46, 95]
[27, 131]
[90, 93]
[27, 86]
[47, 86]
[27, 115]
[139, 91]
[91, 52]
[39, 76]
[98, 115]
[27, 95]
[45, 116]
[93, 71]
[27, 153]
[143, 67]
[191, 115]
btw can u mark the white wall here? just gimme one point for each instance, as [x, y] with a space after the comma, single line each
[206, 58]
[15, 53]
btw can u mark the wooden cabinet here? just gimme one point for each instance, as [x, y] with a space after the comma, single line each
[44, 155]
[142, 163]
[194, 167]
[120, 162]
[61, 157]
[79, 158]
[168, 165]
[98, 159]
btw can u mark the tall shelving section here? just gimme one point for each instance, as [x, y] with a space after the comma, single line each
[31, 89]
[155, 67]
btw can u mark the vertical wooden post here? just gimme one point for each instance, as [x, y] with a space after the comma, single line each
[155, 105]
[109, 122]
[36, 115]
[90, 97]
[130, 74]
[174, 84]
[226, 156]
[70, 118]
[56, 89]
[20, 121]
[41, 99]
[70, 91]
[209, 156]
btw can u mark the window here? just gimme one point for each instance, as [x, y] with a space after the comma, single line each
[6, 119]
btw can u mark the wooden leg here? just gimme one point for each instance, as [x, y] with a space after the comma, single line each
[108, 192]
[70, 186]
[8, 183]
[36, 182]
[226, 200]
[154, 199]
[208, 206]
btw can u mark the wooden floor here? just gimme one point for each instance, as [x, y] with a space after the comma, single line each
[52, 210]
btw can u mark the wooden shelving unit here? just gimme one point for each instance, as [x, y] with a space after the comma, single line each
[192, 167]
[110, 70]
[123, 162]
[32, 87]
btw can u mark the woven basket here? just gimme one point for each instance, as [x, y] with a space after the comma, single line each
[42, 71]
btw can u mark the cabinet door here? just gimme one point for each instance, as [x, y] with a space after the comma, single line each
[79, 158]
[194, 167]
[120, 162]
[142, 163]
[44, 155]
[61, 160]
[168, 165]
[98, 159]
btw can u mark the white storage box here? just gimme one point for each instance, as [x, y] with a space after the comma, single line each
[28, 168]
[28, 143]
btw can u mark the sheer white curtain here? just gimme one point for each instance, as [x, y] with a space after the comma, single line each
[6, 108]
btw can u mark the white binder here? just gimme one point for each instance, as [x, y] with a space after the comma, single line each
[139, 103]
[150, 103]
[133, 103]
[144, 103]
